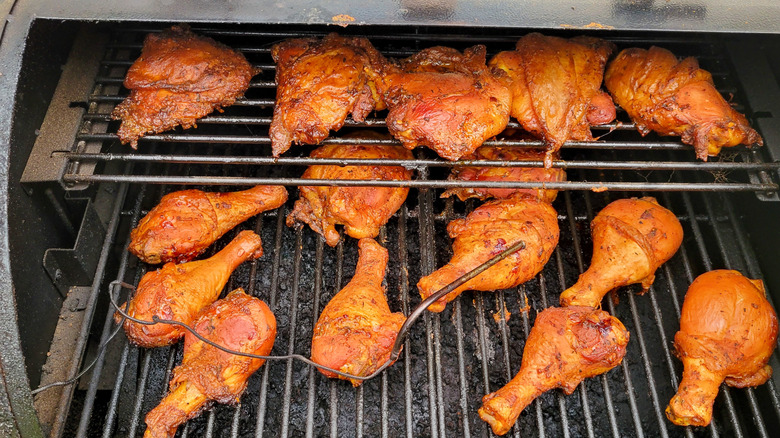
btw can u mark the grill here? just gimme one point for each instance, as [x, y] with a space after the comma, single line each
[450, 359]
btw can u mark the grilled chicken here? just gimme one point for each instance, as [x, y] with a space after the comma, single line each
[728, 331]
[185, 223]
[446, 100]
[486, 232]
[527, 174]
[319, 83]
[674, 97]
[631, 239]
[362, 210]
[566, 345]
[179, 292]
[356, 331]
[556, 86]
[179, 78]
[239, 322]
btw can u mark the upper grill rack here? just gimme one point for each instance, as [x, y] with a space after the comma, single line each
[620, 160]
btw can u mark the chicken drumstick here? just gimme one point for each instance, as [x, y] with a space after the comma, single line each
[356, 331]
[728, 331]
[631, 239]
[674, 97]
[239, 322]
[179, 292]
[185, 223]
[487, 231]
[566, 345]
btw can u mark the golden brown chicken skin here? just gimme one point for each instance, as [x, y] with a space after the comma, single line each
[566, 346]
[185, 223]
[556, 86]
[179, 78]
[362, 210]
[356, 331]
[319, 83]
[180, 292]
[239, 322]
[486, 232]
[446, 100]
[631, 239]
[520, 174]
[678, 98]
[728, 331]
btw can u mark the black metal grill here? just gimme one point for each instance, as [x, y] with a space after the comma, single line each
[451, 359]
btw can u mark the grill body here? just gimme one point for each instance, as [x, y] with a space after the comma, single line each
[99, 191]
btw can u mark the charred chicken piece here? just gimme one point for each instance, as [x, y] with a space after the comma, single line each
[356, 331]
[179, 78]
[566, 346]
[486, 232]
[180, 292]
[505, 174]
[319, 83]
[446, 100]
[674, 97]
[185, 223]
[362, 210]
[556, 86]
[728, 331]
[239, 322]
[631, 239]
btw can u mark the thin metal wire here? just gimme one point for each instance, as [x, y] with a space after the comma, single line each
[394, 355]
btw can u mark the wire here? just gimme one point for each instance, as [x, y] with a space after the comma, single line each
[394, 353]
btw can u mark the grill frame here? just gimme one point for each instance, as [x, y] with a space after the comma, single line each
[429, 223]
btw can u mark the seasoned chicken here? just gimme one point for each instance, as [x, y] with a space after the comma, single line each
[179, 78]
[180, 292]
[566, 345]
[728, 331]
[446, 100]
[556, 86]
[674, 97]
[631, 239]
[527, 174]
[362, 210]
[319, 83]
[239, 322]
[487, 231]
[185, 223]
[356, 331]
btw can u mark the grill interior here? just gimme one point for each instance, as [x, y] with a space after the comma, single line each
[450, 359]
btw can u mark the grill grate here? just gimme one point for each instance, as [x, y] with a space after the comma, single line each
[450, 359]
[246, 124]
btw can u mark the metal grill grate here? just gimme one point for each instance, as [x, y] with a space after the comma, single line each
[451, 359]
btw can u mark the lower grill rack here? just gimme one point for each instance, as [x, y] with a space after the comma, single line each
[450, 359]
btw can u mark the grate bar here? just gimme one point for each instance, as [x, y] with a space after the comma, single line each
[315, 316]
[403, 285]
[420, 163]
[292, 326]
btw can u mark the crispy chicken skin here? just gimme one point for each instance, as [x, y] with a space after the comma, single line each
[179, 292]
[674, 97]
[239, 322]
[356, 331]
[631, 239]
[320, 82]
[185, 223]
[179, 78]
[446, 100]
[527, 174]
[362, 210]
[487, 231]
[556, 86]
[566, 345]
[728, 331]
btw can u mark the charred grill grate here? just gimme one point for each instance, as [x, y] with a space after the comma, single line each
[451, 359]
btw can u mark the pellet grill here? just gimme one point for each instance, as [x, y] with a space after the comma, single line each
[72, 193]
